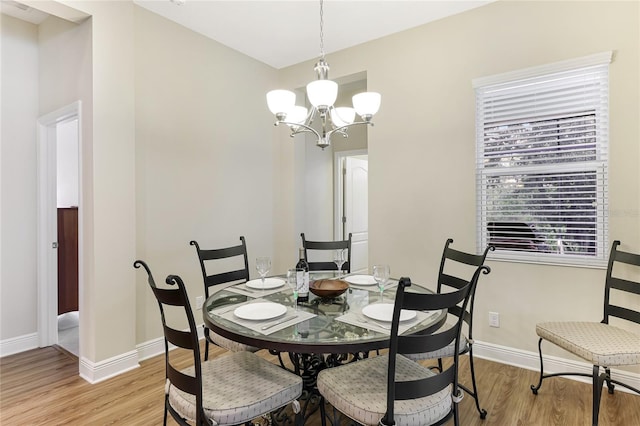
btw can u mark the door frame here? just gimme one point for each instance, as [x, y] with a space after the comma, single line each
[338, 190]
[47, 255]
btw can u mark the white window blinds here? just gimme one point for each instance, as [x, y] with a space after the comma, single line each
[542, 148]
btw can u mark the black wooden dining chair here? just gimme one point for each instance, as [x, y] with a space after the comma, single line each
[231, 389]
[392, 389]
[231, 265]
[319, 246]
[455, 269]
[602, 344]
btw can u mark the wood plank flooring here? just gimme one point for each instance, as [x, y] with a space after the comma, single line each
[42, 386]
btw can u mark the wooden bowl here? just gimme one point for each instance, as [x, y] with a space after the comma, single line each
[328, 288]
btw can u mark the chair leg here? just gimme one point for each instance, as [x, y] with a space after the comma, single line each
[456, 417]
[299, 420]
[335, 421]
[598, 380]
[535, 389]
[610, 384]
[482, 411]
[206, 344]
[323, 413]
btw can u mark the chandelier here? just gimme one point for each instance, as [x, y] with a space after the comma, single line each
[322, 94]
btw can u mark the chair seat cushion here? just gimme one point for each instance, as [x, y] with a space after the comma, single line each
[229, 344]
[359, 390]
[600, 344]
[236, 388]
[444, 352]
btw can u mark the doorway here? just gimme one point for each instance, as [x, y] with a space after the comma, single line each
[59, 228]
[352, 205]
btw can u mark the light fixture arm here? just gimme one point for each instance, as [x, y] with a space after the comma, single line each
[323, 140]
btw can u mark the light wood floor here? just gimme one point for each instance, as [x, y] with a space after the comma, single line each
[42, 386]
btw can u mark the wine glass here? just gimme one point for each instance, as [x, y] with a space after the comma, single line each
[339, 258]
[381, 274]
[292, 281]
[263, 265]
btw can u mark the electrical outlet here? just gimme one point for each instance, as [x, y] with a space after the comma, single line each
[494, 319]
[199, 302]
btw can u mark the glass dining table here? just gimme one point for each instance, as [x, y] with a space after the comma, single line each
[316, 334]
[336, 326]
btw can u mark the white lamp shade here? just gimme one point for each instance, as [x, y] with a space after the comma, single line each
[280, 101]
[322, 93]
[342, 116]
[367, 103]
[297, 114]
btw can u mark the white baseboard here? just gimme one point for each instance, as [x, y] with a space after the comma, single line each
[552, 364]
[18, 344]
[150, 348]
[94, 372]
[97, 372]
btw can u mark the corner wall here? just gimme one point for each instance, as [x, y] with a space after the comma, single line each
[19, 48]
[422, 149]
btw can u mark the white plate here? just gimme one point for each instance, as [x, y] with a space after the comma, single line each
[384, 312]
[260, 311]
[360, 279]
[269, 283]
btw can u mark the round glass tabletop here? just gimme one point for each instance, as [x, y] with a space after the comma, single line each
[320, 325]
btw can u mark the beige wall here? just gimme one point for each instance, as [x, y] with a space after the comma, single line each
[309, 181]
[19, 45]
[204, 168]
[422, 149]
[317, 170]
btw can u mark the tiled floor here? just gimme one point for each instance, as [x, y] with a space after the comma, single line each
[68, 332]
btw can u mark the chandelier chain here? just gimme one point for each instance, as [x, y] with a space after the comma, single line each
[321, 29]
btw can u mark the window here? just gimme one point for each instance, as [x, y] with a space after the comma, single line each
[541, 170]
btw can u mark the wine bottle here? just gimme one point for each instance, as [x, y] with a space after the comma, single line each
[303, 280]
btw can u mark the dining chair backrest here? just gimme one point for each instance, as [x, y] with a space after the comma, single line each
[324, 265]
[617, 281]
[238, 271]
[221, 266]
[177, 297]
[456, 268]
[421, 342]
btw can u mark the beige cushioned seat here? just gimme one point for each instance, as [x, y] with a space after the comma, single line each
[359, 391]
[241, 386]
[229, 344]
[600, 344]
[445, 352]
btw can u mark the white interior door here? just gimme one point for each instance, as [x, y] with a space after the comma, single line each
[47, 256]
[356, 210]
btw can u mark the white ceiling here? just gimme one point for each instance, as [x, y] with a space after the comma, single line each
[283, 33]
[21, 11]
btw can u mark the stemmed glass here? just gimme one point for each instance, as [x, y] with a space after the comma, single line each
[263, 265]
[339, 258]
[381, 274]
[292, 281]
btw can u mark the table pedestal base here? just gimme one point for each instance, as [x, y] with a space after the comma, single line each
[308, 366]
